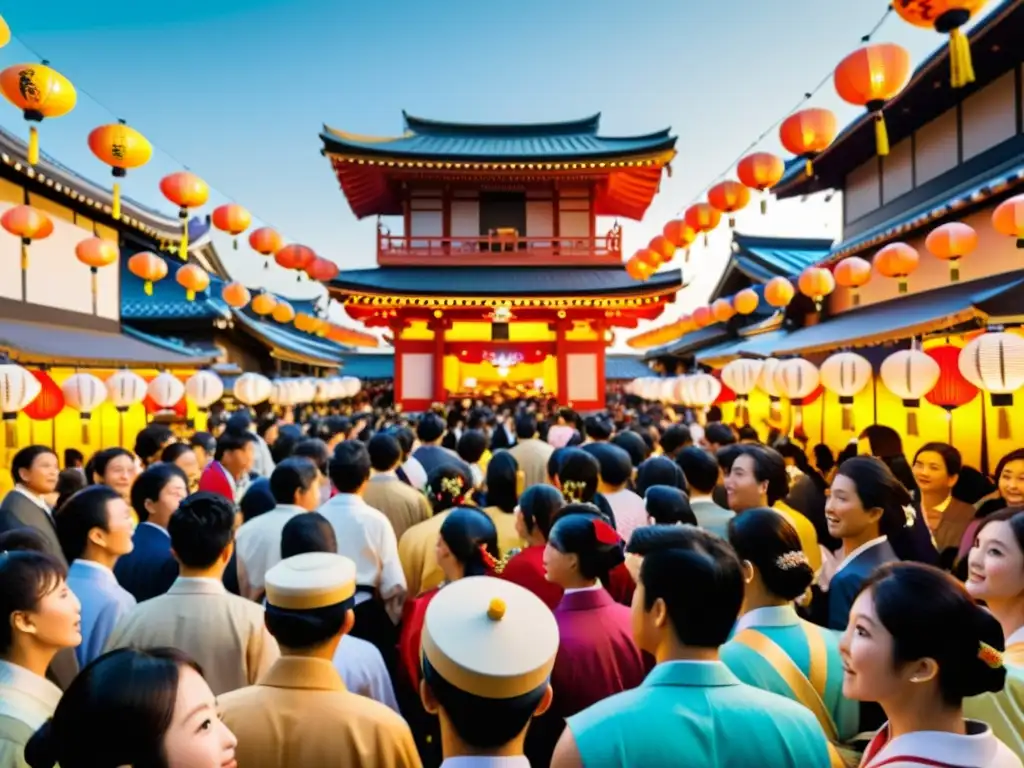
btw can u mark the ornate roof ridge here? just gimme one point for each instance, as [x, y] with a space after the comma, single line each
[426, 126]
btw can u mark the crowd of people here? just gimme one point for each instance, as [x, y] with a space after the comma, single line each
[510, 584]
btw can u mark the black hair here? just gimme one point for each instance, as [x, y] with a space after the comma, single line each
[467, 531]
[257, 499]
[577, 531]
[292, 476]
[950, 456]
[204, 440]
[150, 484]
[616, 468]
[526, 426]
[311, 532]
[719, 434]
[265, 425]
[538, 505]
[578, 472]
[555, 462]
[503, 482]
[748, 433]
[288, 438]
[333, 426]
[406, 439]
[700, 469]
[72, 457]
[350, 466]
[385, 452]
[471, 446]
[1013, 516]
[201, 529]
[84, 511]
[659, 470]
[27, 575]
[137, 689]
[824, 459]
[69, 482]
[697, 575]
[677, 436]
[884, 441]
[97, 465]
[233, 441]
[303, 630]
[930, 615]
[634, 445]
[238, 422]
[668, 505]
[26, 457]
[877, 487]
[315, 450]
[150, 440]
[175, 451]
[769, 541]
[972, 486]
[1015, 455]
[430, 428]
[597, 427]
[770, 467]
[442, 497]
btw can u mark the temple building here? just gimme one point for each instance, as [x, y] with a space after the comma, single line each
[497, 274]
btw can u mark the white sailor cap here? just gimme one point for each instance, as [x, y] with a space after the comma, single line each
[309, 581]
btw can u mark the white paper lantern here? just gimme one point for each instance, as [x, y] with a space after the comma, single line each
[910, 374]
[846, 374]
[125, 389]
[741, 376]
[338, 388]
[667, 390]
[704, 389]
[323, 391]
[352, 386]
[84, 393]
[252, 389]
[307, 390]
[18, 388]
[994, 362]
[204, 388]
[282, 393]
[796, 379]
[166, 390]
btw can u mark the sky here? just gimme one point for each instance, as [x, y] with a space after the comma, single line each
[237, 93]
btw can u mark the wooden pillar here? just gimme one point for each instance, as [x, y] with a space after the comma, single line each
[561, 361]
[438, 327]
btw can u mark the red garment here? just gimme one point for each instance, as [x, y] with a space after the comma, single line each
[413, 613]
[527, 570]
[621, 585]
[215, 480]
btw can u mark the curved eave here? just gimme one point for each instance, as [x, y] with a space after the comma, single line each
[426, 125]
[283, 346]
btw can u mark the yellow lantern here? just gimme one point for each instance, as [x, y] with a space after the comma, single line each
[39, 92]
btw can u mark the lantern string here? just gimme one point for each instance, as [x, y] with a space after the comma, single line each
[808, 95]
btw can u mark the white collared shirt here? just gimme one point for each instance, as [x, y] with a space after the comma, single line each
[979, 747]
[769, 616]
[362, 668]
[258, 547]
[486, 761]
[859, 551]
[415, 472]
[584, 589]
[25, 696]
[37, 500]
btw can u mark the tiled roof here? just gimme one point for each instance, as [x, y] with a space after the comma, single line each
[168, 301]
[621, 367]
[691, 342]
[370, 367]
[762, 258]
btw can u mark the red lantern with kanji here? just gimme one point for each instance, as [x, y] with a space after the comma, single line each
[946, 17]
[662, 246]
[778, 292]
[761, 171]
[295, 256]
[50, 400]
[322, 270]
[816, 283]
[702, 217]
[745, 302]
[853, 272]
[266, 242]
[871, 76]
[728, 197]
[702, 317]
[1008, 219]
[722, 310]
[951, 242]
[897, 260]
[808, 132]
[185, 190]
[27, 223]
[233, 219]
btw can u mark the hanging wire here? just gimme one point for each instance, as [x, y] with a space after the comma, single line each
[774, 126]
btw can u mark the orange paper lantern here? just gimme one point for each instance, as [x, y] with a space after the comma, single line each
[95, 252]
[897, 260]
[283, 312]
[148, 267]
[1008, 219]
[853, 272]
[778, 292]
[39, 92]
[702, 217]
[679, 233]
[193, 279]
[263, 304]
[816, 283]
[722, 310]
[761, 171]
[233, 219]
[29, 224]
[728, 197]
[702, 317]
[235, 295]
[638, 270]
[951, 242]
[122, 148]
[266, 242]
[651, 258]
[662, 246]
[295, 256]
[322, 270]
[185, 190]
[946, 17]
[808, 132]
[745, 302]
[870, 77]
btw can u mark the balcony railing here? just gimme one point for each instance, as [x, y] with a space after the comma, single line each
[502, 247]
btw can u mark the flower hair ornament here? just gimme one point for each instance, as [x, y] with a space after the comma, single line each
[573, 490]
[791, 560]
[452, 486]
[910, 514]
[992, 657]
[604, 533]
[492, 563]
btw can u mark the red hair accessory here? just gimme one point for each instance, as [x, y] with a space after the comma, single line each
[604, 533]
[488, 558]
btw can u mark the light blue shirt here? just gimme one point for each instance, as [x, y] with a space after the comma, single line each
[104, 602]
[712, 517]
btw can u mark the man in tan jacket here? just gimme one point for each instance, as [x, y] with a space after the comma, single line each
[402, 504]
[531, 454]
[223, 632]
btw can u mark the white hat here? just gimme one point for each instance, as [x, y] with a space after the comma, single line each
[490, 637]
[310, 581]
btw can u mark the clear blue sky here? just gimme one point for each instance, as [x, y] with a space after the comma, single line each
[238, 91]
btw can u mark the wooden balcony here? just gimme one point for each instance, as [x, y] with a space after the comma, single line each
[500, 248]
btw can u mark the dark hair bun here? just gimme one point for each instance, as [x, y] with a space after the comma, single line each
[40, 752]
[979, 675]
[769, 541]
[789, 576]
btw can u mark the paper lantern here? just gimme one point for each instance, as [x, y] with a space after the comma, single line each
[166, 390]
[853, 272]
[18, 389]
[84, 393]
[728, 197]
[264, 303]
[1008, 219]
[266, 242]
[322, 270]
[702, 317]
[651, 258]
[204, 388]
[746, 301]
[29, 224]
[679, 233]
[726, 395]
[5, 33]
[95, 252]
[797, 379]
[252, 389]
[846, 374]
[722, 311]
[125, 389]
[994, 362]
[808, 132]
[185, 190]
[638, 270]
[662, 246]
[897, 260]
[742, 376]
[871, 76]
[149, 268]
[40, 93]
[352, 386]
[946, 17]
[122, 148]
[951, 242]
[233, 219]
[778, 292]
[193, 279]
[761, 171]
[50, 400]
[910, 374]
[235, 295]
[702, 217]
[283, 312]
[295, 256]
[766, 383]
[952, 390]
[816, 283]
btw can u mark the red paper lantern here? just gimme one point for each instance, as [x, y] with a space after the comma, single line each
[702, 217]
[952, 389]
[870, 77]
[725, 395]
[295, 256]
[808, 132]
[662, 246]
[679, 233]
[180, 409]
[702, 317]
[761, 171]
[50, 400]
[728, 197]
